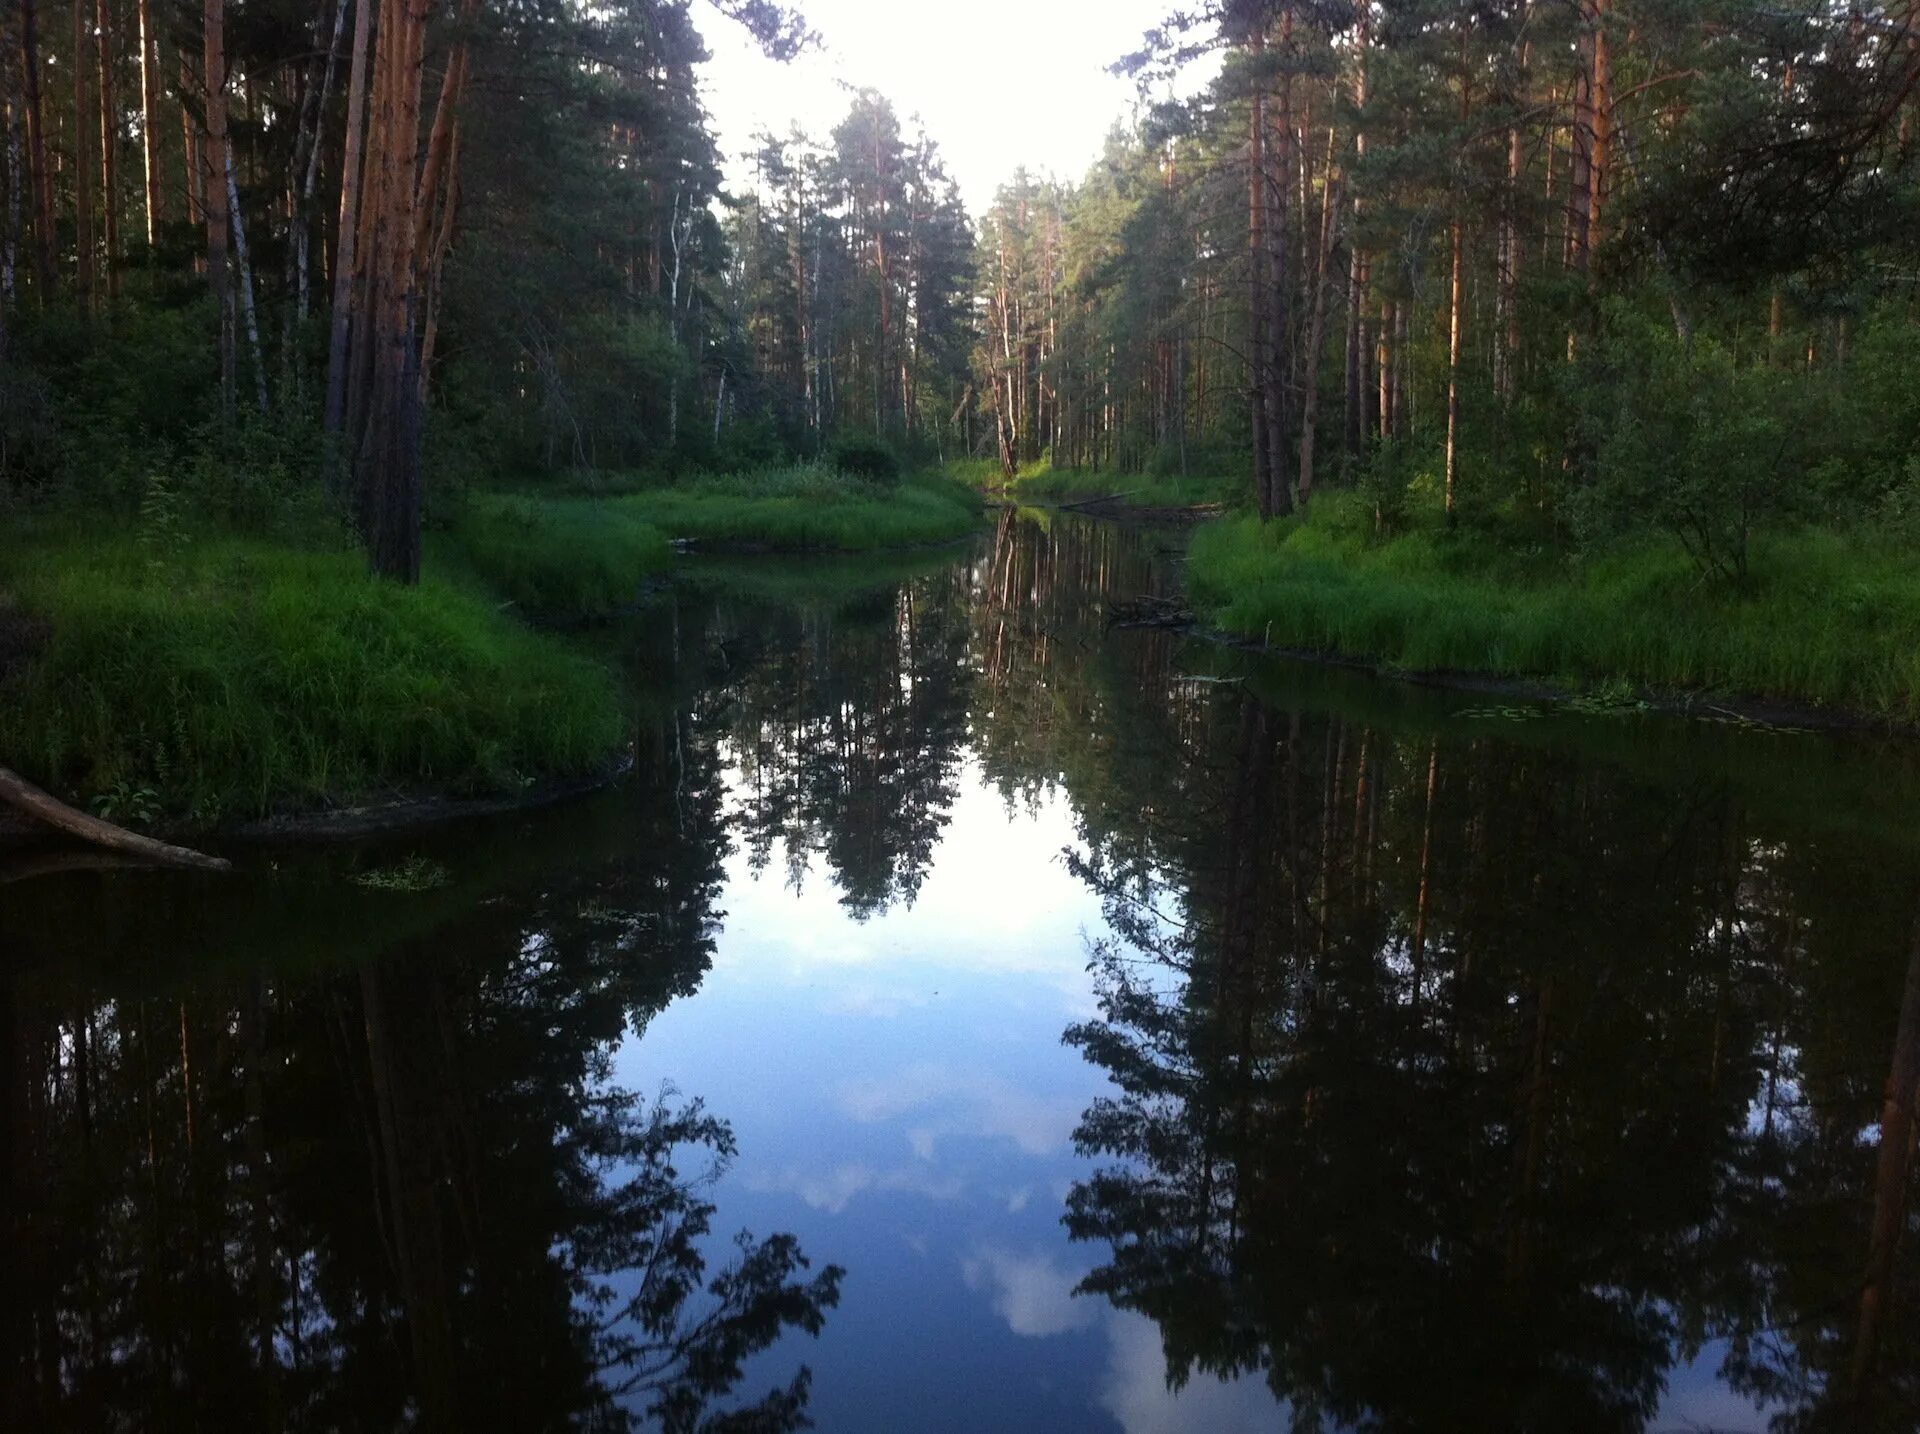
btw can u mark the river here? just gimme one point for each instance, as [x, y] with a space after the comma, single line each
[1091, 1028]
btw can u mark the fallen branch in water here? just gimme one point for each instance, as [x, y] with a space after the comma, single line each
[16, 791]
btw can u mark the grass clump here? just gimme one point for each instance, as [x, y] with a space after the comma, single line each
[1042, 484]
[237, 677]
[808, 507]
[1824, 619]
[558, 557]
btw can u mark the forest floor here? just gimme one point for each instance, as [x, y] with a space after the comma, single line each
[197, 678]
[1824, 621]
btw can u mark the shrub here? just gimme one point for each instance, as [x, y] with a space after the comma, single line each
[867, 459]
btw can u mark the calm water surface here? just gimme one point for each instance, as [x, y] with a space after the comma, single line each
[973, 1018]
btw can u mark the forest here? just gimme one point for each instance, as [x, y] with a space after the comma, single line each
[348, 348]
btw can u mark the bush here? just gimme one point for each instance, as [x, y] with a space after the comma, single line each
[867, 459]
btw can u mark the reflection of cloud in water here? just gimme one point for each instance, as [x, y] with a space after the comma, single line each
[1135, 1391]
[1033, 1293]
[964, 1103]
[833, 1190]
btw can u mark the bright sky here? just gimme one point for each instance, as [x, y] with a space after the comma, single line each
[997, 82]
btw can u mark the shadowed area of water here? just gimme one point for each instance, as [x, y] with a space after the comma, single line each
[970, 1016]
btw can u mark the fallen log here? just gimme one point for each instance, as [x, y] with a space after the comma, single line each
[1096, 502]
[16, 791]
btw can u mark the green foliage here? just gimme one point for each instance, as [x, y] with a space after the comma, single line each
[242, 676]
[1822, 619]
[415, 874]
[808, 506]
[867, 459]
[558, 557]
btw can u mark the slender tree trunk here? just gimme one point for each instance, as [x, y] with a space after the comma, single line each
[213, 189]
[1456, 327]
[1259, 296]
[40, 178]
[346, 268]
[1279, 191]
[1317, 325]
[244, 267]
[196, 180]
[1359, 270]
[150, 123]
[109, 147]
[82, 154]
[314, 125]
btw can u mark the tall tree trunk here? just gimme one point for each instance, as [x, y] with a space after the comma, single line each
[1456, 327]
[1259, 295]
[244, 266]
[40, 179]
[384, 417]
[1279, 189]
[82, 153]
[109, 147]
[346, 267]
[213, 188]
[1317, 324]
[150, 123]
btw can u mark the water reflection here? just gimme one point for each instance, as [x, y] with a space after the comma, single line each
[1430, 1063]
[254, 1184]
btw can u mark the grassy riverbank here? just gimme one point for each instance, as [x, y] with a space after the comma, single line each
[807, 508]
[1823, 619]
[1043, 485]
[159, 668]
[555, 558]
[219, 677]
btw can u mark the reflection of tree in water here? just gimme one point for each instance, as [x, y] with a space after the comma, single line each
[1466, 1086]
[847, 724]
[406, 1191]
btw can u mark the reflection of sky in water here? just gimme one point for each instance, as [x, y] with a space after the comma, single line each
[904, 1105]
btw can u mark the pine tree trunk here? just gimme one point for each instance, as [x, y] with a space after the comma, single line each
[109, 146]
[213, 189]
[82, 154]
[244, 266]
[150, 123]
[39, 177]
[1259, 352]
[1279, 500]
[1317, 325]
[345, 264]
[1456, 329]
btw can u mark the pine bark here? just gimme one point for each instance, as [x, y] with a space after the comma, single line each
[109, 147]
[40, 179]
[347, 278]
[156, 214]
[1259, 296]
[82, 153]
[213, 188]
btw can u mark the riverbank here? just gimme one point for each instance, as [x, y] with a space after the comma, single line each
[1824, 621]
[806, 508]
[1043, 485]
[159, 672]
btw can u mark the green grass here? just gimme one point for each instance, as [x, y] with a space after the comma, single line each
[557, 557]
[807, 508]
[1042, 484]
[1826, 619]
[232, 677]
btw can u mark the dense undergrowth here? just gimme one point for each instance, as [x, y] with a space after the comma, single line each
[1822, 618]
[201, 659]
[218, 676]
[556, 558]
[1042, 484]
[808, 507]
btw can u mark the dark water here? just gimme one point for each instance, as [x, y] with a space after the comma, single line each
[1130, 1035]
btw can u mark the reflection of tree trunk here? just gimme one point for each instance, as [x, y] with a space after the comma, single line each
[1890, 1183]
[1421, 907]
[408, 1177]
[1532, 1149]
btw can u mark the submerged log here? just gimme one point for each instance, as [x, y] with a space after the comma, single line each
[18, 792]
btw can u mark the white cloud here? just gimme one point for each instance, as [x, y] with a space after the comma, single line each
[1032, 1293]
